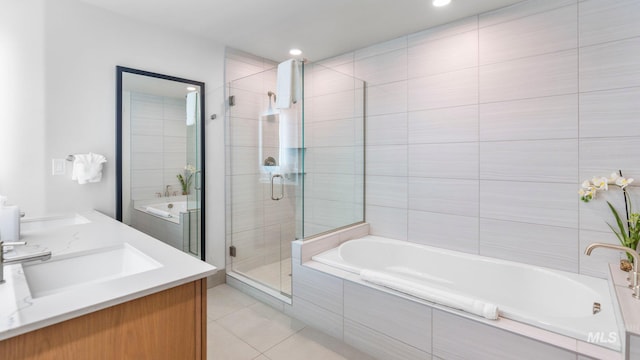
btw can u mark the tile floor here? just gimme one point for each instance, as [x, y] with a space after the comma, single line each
[242, 328]
[276, 275]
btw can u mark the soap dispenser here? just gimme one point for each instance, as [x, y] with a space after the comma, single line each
[9, 221]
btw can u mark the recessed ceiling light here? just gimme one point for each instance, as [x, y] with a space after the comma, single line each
[191, 88]
[439, 3]
[295, 52]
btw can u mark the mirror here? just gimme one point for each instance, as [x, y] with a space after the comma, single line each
[160, 157]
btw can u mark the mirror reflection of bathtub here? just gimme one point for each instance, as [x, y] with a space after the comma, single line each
[168, 219]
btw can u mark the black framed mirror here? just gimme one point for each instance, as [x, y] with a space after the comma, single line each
[160, 157]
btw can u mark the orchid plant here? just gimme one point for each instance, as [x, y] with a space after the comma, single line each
[186, 178]
[628, 230]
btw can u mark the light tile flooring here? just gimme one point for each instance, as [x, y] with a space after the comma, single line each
[276, 275]
[242, 328]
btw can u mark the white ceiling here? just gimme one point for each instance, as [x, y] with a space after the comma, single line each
[321, 28]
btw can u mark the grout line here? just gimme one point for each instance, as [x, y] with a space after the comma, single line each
[478, 242]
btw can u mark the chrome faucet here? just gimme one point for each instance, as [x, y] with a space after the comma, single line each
[633, 279]
[167, 192]
[18, 259]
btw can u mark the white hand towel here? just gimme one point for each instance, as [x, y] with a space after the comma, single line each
[438, 296]
[87, 168]
[192, 107]
[288, 86]
[158, 212]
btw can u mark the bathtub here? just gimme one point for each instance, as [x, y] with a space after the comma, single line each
[169, 211]
[556, 301]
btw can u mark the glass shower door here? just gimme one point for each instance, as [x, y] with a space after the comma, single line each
[192, 234]
[264, 179]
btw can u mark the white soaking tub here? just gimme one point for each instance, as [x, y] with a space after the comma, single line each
[553, 300]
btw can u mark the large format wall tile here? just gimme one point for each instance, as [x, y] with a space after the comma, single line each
[544, 160]
[382, 48]
[454, 160]
[387, 99]
[389, 129]
[388, 191]
[388, 160]
[553, 117]
[443, 55]
[457, 338]
[610, 113]
[541, 33]
[541, 245]
[534, 76]
[602, 156]
[384, 68]
[444, 230]
[443, 31]
[456, 124]
[596, 25]
[449, 196]
[323, 290]
[597, 264]
[387, 222]
[610, 65]
[530, 202]
[379, 345]
[398, 318]
[520, 10]
[443, 90]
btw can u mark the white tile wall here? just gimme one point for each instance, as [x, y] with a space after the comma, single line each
[444, 230]
[454, 124]
[379, 345]
[595, 21]
[610, 65]
[610, 113]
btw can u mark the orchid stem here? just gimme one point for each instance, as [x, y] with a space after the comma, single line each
[626, 205]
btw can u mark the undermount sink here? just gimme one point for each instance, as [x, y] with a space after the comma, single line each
[65, 273]
[52, 222]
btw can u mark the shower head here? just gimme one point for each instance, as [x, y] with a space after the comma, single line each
[270, 111]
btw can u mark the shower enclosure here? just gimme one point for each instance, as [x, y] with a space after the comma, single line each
[291, 173]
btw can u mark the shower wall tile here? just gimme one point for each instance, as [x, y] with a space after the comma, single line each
[447, 231]
[541, 245]
[456, 124]
[176, 128]
[595, 21]
[534, 76]
[379, 345]
[246, 188]
[147, 178]
[390, 160]
[340, 132]
[595, 215]
[338, 105]
[146, 144]
[383, 68]
[610, 113]
[454, 160]
[530, 202]
[146, 106]
[386, 99]
[602, 156]
[520, 10]
[455, 337]
[448, 196]
[381, 48]
[610, 65]
[328, 80]
[336, 187]
[597, 264]
[331, 160]
[146, 126]
[541, 33]
[146, 161]
[553, 117]
[387, 221]
[450, 89]
[246, 216]
[401, 319]
[443, 31]
[243, 132]
[543, 161]
[447, 54]
[318, 318]
[243, 160]
[390, 191]
[175, 145]
[389, 129]
[175, 109]
[248, 103]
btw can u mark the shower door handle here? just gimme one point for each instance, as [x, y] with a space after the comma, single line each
[197, 185]
[281, 187]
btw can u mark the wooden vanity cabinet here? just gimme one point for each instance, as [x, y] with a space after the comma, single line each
[169, 324]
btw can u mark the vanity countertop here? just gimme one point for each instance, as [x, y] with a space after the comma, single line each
[22, 312]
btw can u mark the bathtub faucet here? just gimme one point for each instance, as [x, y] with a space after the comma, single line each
[167, 192]
[633, 278]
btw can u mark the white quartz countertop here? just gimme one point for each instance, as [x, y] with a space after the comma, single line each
[21, 312]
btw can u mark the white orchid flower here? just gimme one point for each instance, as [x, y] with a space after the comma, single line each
[190, 168]
[613, 177]
[623, 182]
[586, 184]
[600, 183]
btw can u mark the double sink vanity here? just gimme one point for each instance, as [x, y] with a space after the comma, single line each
[107, 291]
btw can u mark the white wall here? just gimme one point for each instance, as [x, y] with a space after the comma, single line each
[479, 132]
[62, 59]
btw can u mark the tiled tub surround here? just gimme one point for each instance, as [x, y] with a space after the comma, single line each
[479, 132]
[391, 325]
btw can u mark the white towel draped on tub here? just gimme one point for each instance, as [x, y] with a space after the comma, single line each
[438, 296]
[158, 212]
[289, 89]
[87, 168]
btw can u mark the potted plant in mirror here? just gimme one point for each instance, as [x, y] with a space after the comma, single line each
[627, 227]
[185, 178]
